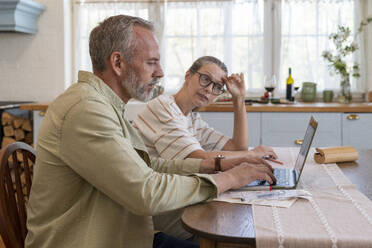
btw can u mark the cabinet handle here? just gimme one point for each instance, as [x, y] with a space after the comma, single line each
[353, 117]
[299, 141]
[42, 113]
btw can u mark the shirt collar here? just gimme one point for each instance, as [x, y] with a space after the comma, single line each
[101, 86]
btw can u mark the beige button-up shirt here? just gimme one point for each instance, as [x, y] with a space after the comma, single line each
[93, 185]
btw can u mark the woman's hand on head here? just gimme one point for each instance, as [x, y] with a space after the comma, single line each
[235, 85]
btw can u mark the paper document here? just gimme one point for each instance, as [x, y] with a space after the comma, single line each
[277, 198]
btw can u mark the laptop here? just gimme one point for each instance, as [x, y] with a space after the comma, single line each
[288, 178]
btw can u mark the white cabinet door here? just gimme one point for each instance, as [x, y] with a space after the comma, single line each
[283, 129]
[357, 130]
[224, 123]
[38, 118]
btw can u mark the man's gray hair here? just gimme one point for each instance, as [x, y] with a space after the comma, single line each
[207, 60]
[114, 34]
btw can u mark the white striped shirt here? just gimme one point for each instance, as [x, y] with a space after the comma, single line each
[169, 134]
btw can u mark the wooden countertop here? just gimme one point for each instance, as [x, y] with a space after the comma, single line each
[296, 107]
[39, 106]
[11, 104]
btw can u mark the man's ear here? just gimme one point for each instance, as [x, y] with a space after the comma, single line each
[116, 63]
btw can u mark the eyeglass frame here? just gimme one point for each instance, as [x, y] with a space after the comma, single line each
[209, 83]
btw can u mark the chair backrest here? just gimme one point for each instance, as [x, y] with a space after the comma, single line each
[16, 172]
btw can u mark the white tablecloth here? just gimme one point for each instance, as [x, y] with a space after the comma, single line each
[337, 215]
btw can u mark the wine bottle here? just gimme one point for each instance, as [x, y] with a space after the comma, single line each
[289, 83]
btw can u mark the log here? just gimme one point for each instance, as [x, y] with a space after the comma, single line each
[26, 125]
[6, 141]
[8, 131]
[19, 134]
[29, 138]
[17, 122]
[6, 118]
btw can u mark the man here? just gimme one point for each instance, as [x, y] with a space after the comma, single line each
[94, 185]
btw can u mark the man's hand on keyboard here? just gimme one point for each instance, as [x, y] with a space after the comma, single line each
[247, 173]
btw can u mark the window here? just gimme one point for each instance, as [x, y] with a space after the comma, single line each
[305, 30]
[256, 37]
[87, 16]
[230, 31]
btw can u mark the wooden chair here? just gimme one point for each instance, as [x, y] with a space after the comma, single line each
[16, 170]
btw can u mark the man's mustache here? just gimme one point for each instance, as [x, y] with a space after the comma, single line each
[154, 82]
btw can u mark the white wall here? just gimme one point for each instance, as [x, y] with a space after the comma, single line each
[32, 67]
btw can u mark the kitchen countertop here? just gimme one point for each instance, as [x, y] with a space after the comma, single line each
[11, 104]
[227, 107]
[293, 107]
[38, 106]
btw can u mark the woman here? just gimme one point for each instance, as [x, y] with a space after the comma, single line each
[171, 130]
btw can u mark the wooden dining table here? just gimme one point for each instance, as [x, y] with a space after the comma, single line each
[222, 224]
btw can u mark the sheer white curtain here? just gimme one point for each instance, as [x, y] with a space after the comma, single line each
[364, 11]
[87, 15]
[231, 31]
[306, 26]
[257, 37]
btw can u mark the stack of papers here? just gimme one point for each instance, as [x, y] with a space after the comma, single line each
[277, 198]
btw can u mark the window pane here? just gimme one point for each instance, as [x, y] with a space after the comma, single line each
[90, 15]
[305, 30]
[212, 46]
[299, 18]
[211, 21]
[179, 55]
[175, 82]
[231, 31]
[247, 18]
[248, 58]
[181, 21]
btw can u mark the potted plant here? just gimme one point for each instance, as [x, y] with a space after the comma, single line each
[344, 47]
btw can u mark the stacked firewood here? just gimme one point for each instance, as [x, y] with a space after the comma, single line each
[16, 128]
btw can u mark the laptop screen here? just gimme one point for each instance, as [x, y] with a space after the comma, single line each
[305, 147]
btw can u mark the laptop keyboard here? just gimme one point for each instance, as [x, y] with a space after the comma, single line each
[282, 176]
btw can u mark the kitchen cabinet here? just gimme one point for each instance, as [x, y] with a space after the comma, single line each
[272, 125]
[224, 123]
[288, 129]
[38, 118]
[357, 130]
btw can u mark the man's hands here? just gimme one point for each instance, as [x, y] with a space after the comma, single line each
[255, 157]
[241, 170]
[247, 173]
[242, 175]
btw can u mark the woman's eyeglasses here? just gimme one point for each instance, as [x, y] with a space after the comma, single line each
[205, 81]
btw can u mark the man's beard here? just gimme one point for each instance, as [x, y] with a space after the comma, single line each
[134, 88]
